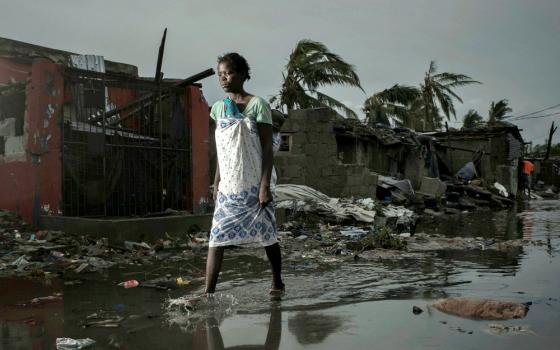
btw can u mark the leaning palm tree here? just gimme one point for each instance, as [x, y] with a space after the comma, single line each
[498, 110]
[311, 66]
[437, 89]
[392, 104]
[472, 119]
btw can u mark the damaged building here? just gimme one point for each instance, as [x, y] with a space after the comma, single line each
[501, 147]
[85, 136]
[342, 157]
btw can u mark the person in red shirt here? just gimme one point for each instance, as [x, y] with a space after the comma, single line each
[527, 169]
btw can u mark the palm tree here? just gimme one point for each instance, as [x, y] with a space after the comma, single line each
[394, 103]
[472, 119]
[437, 89]
[311, 66]
[498, 110]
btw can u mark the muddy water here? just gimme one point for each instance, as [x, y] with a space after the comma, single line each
[329, 304]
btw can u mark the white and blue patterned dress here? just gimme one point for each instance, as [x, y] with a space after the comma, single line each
[238, 217]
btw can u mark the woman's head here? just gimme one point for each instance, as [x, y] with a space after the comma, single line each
[233, 71]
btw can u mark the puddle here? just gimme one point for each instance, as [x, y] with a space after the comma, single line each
[329, 304]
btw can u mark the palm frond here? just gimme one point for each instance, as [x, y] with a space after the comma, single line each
[402, 94]
[333, 103]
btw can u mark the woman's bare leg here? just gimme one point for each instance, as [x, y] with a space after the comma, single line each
[275, 258]
[213, 266]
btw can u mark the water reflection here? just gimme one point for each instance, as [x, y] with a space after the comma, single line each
[207, 335]
[314, 328]
[320, 284]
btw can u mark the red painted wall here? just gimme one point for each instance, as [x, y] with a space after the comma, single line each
[197, 115]
[10, 70]
[34, 181]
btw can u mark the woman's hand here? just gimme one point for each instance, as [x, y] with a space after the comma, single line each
[265, 196]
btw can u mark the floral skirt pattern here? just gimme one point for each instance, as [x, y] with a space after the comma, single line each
[239, 219]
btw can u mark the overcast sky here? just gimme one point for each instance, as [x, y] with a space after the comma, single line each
[511, 46]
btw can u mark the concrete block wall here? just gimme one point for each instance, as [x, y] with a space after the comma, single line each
[313, 159]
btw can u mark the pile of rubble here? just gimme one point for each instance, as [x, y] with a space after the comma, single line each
[436, 197]
[39, 253]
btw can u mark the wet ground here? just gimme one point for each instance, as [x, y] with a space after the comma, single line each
[330, 304]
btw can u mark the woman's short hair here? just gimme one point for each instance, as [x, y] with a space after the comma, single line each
[237, 62]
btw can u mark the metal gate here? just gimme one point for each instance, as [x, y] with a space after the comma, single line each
[126, 147]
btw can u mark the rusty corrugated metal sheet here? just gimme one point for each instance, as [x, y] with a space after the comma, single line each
[88, 62]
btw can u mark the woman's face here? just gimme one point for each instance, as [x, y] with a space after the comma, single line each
[229, 79]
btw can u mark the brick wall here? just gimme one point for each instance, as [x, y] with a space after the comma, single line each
[313, 158]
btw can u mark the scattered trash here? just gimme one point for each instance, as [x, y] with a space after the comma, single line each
[71, 344]
[81, 267]
[135, 245]
[48, 299]
[102, 321]
[501, 189]
[307, 199]
[416, 310]
[129, 284]
[182, 282]
[482, 309]
[353, 232]
[502, 329]
[57, 254]
[20, 262]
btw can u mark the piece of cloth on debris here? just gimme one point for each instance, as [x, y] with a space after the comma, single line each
[239, 218]
[404, 185]
[312, 200]
[482, 309]
[467, 172]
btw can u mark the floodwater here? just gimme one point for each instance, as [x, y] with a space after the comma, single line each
[328, 305]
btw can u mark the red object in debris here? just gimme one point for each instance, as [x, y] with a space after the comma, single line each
[41, 234]
[129, 284]
[57, 254]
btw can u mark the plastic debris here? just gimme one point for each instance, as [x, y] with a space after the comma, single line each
[48, 299]
[307, 199]
[353, 232]
[81, 267]
[69, 343]
[57, 254]
[20, 262]
[501, 189]
[502, 329]
[129, 284]
[182, 281]
[137, 246]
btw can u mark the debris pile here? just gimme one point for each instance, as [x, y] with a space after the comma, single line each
[40, 253]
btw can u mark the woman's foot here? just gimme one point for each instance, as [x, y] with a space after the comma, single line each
[277, 289]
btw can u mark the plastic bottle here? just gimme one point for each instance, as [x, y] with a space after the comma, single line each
[129, 284]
